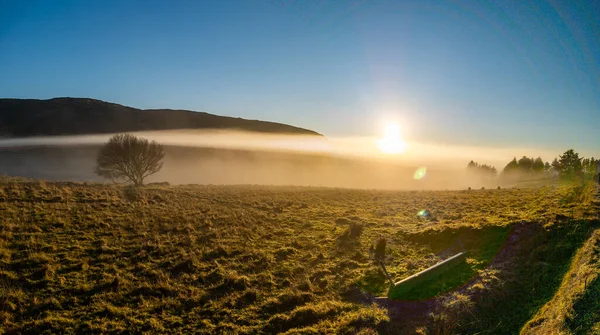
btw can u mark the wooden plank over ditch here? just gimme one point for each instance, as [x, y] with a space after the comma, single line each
[397, 290]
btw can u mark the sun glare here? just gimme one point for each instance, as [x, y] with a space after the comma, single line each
[392, 142]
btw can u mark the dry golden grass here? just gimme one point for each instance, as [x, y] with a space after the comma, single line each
[78, 258]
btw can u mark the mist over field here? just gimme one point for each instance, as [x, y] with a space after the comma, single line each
[234, 157]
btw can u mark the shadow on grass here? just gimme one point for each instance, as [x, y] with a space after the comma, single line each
[533, 276]
[373, 280]
[481, 246]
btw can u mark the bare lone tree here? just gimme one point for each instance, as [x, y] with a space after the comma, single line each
[130, 158]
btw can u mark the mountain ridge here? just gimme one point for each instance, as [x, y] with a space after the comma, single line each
[81, 116]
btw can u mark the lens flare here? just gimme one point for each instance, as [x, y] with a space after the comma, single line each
[420, 173]
[424, 213]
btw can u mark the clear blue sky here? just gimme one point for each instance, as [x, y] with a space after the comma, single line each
[499, 73]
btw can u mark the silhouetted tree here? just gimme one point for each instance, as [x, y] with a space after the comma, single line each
[511, 166]
[556, 165]
[130, 158]
[547, 166]
[538, 165]
[589, 166]
[525, 164]
[570, 164]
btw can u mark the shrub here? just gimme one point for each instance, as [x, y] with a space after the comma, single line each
[132, 194]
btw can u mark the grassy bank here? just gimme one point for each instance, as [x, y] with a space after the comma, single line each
[534, 287]
[575, 308]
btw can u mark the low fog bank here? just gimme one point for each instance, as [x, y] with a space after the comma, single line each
[194, 157]
[191, 165]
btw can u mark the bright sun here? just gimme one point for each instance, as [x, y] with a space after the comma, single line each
[392, 142]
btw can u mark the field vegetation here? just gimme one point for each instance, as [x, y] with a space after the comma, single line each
[91, 258]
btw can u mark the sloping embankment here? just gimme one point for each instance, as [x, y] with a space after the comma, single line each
[551, 259]
[575, 308]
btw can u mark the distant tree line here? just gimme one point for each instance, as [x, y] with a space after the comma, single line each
[483, 173]
[526, 166]
[568, 166]
[482, 169]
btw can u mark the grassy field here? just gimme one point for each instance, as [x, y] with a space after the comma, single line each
[77, 258]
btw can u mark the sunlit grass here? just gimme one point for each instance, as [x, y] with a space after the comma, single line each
[238, 259]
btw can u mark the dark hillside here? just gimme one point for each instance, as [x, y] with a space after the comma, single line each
[80, 116]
